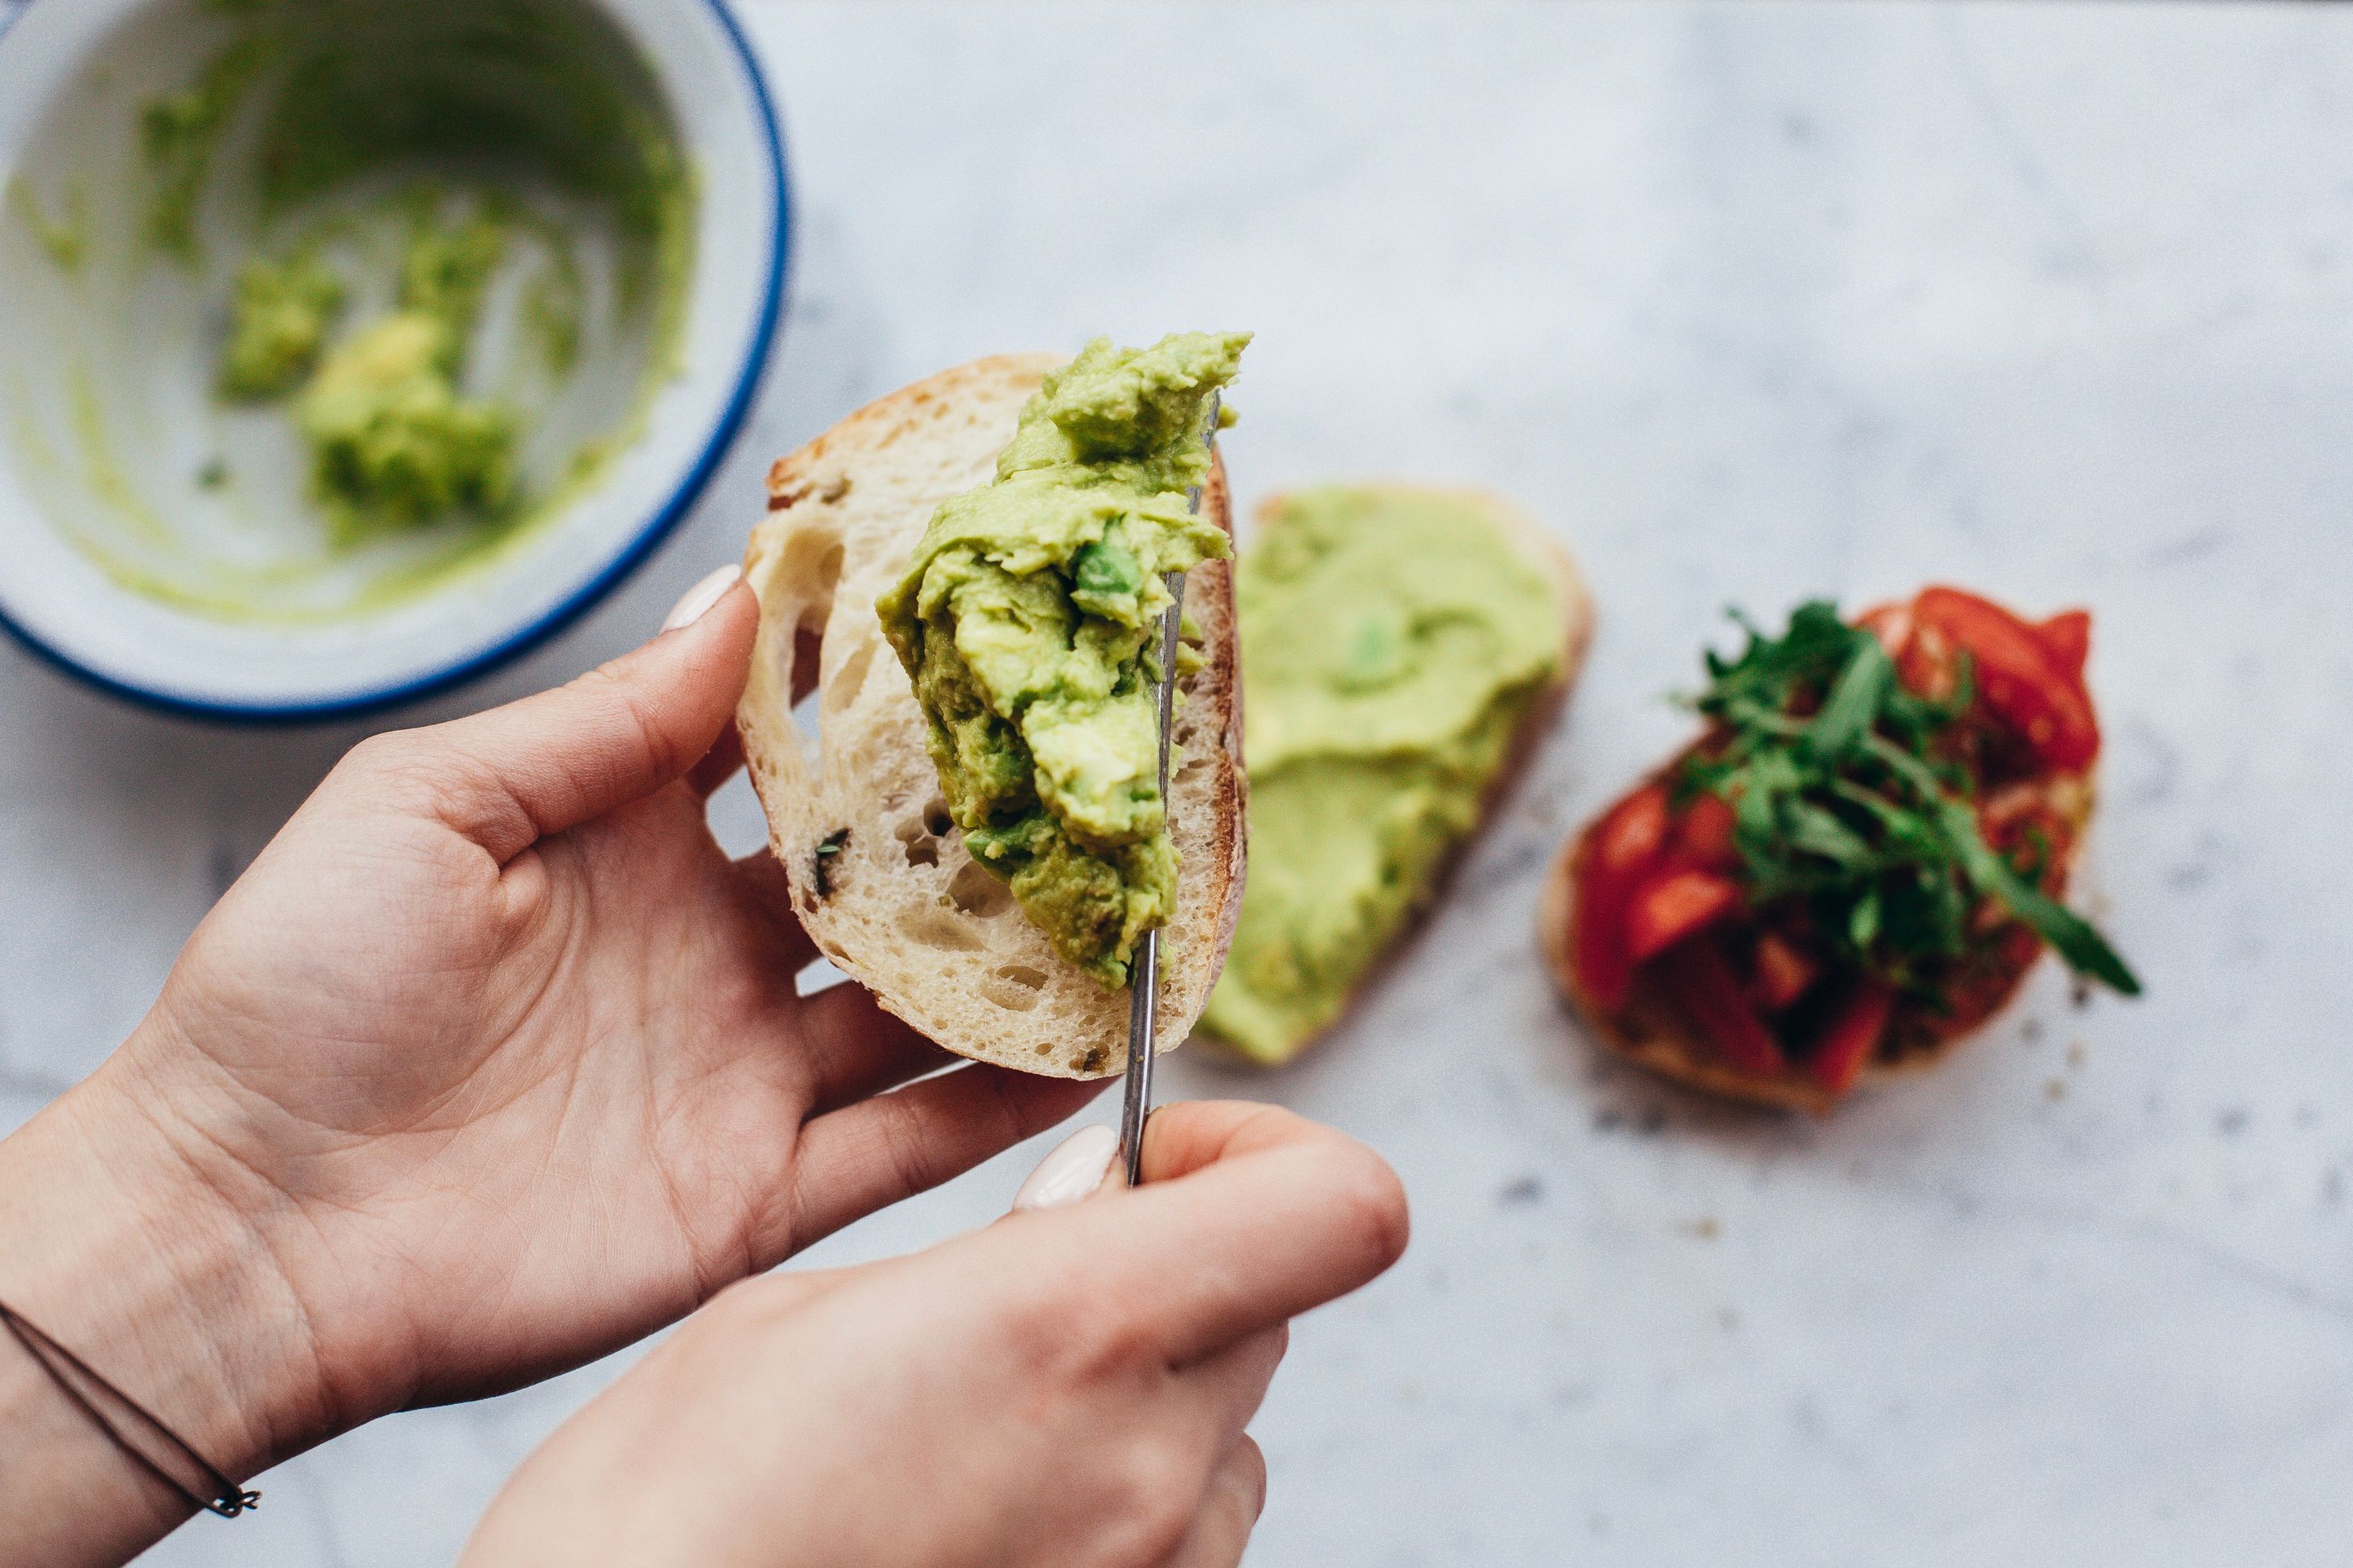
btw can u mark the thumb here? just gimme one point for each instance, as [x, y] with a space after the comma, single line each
[614, 735]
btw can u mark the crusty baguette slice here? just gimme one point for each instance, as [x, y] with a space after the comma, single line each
[879, 876]
[1652, 1031]
[1544, 552]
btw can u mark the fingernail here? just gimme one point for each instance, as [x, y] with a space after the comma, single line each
[1072, 1171]
[701, 596]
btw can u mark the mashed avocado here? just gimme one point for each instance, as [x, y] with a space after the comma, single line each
[277, 323]
[1028, 623]
[1392, 640]
[393, 442]
[182, 133]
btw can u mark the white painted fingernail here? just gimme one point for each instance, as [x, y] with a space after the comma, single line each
[1072, 1171]
[701, 596]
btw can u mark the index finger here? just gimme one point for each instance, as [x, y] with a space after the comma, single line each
[1249, 1215]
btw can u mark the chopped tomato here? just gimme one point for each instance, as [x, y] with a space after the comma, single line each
[1704, 835]
[2019, 679]
[1852, 1036]
[1710, 993]
[1891, 624]
[2030, 834]
[1623, 847]
[1929, 664]
[1675, 904]
[1990, 980]
[1784, 972]
[2068, 635]
[1634, 832]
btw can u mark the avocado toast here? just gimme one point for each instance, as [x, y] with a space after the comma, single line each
[881, 875]
[1406, 646]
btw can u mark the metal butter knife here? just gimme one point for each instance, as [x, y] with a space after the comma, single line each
[1143, 976]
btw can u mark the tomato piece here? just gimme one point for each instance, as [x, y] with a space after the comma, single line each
[1620, 849]
[2068, 637]
[2030, 835]
[1891, 624]
[1929, 665]
[1597, 938]
[2018, 680]
[1851, 1036]
[1783, 972]
[1674, 905]
[1711, 995]
[1704, 835]
[1635, 831]
[1989, 983]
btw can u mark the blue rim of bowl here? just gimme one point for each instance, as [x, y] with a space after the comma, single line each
[658, 527]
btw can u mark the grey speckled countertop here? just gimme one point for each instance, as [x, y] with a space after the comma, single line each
[1750, 302]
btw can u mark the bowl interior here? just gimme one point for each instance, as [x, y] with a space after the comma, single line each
[170, 540]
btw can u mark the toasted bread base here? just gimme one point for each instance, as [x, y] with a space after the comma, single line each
[1545, 552]
[1651, 1030]
[879, 876]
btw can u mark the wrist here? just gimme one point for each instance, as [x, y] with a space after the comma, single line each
[159, 1275]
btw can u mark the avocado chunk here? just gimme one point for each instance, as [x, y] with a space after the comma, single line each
[1393, 638]
[277, 323]
[395, 443]
[1027, 622]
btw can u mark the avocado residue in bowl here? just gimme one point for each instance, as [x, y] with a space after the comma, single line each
[1027, 621]
[278, 319]
[435, 260]
[394, 440]
[1393, 638]
[62, 237]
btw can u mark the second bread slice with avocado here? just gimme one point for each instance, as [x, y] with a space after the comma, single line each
[880, 876]
[1405, 648]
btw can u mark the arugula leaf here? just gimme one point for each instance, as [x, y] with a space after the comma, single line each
[1855, 700]
[1846, 807]
[2085, 949]
[2071, 935]
[1862, 919]
[1814, 829]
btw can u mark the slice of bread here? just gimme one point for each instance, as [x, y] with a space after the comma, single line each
[1544, 552]
[1652, 1030]
[880, 875]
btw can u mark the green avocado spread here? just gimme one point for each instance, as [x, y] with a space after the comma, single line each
[278, 319]
[1392, 640]
[1027, 622]
[394, 442]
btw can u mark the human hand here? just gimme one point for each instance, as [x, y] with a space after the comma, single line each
[1067, 1387]
[493, 1062]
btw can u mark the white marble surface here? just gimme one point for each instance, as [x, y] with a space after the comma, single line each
[1752, 302]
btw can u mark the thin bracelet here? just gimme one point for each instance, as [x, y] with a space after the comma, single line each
[87, 1389]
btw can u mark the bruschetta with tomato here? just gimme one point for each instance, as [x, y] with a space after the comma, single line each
[1855, 864]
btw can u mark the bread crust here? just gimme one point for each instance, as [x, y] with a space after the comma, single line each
[1651, 1030]
[896, 903]
[1545, 552]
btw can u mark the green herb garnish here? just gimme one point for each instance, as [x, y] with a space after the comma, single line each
[820, 863]
[1846, 807]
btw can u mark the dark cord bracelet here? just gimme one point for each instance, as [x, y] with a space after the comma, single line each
[155, 1449]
